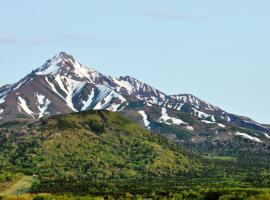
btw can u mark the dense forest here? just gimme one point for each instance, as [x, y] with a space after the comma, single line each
[101, 153]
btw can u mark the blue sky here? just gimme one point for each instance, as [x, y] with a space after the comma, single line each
[217, 50]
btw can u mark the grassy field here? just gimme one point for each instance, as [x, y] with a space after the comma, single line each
[20, 186]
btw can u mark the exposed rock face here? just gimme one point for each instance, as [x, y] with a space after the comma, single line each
[62, 85]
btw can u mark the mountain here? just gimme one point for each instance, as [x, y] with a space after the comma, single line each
[62, 85]
[103, 152]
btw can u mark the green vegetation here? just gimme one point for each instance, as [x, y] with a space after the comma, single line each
[105, 155]
[203, 194]
[20, 186]
[83, 152]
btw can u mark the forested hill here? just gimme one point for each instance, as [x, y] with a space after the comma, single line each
[76, 151]
[101, 152]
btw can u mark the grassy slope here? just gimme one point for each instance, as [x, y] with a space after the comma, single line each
[20, 186]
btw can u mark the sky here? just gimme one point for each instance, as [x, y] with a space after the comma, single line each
[217, 50]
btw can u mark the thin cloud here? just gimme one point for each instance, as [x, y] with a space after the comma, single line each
[78, 37]
[48, 40]
[9, 40]
[168, 15]
[89, 39]
[223, 6]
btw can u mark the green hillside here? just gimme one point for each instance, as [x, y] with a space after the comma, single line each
[104, 153]
[91, 150]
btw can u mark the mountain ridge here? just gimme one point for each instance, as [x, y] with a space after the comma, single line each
[63, 85]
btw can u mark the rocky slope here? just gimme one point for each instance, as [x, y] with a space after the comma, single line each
[62, 85]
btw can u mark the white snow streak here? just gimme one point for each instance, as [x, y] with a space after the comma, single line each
[87, 103]
[246, 136]
[124, 84]
[2, 99]
[207, 122]
[43, 104]
[24, 106]
[210, 122]
[81, 71]
[52, 69]
[145, 119]
[73, 87]
[191, 128]
[20, 84]
[105, 97]
[70, 87]
[266, 135]
[165, 118]
[200, 114]
[221, 125]
[3, 95]
[53, 88]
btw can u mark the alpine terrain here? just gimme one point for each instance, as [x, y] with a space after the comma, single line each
[70, 132]
[62, 85]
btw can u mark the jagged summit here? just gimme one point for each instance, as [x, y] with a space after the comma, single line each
[65, 55]
[65, 64]
[63, 85]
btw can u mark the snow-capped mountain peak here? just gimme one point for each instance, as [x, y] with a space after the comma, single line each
[65, 65]
[63, 85]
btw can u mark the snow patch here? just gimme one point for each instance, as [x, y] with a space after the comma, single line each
[105, 97]
[221, 125]
[180, 106]
[266, 135]
[20, 84]
[200, 114]
[80, 70]
[53, 88]
[43, 104]
[124, 84]
[73, 87]
[246, 136]
[87, 103]
[70, 87]
[149, 104]
[165, 118]
[52, 69]
[25, 107]
[208, 122]
[191, 128]
[145, 119]
[213, 118]
[3, 94]
[253, 122]
[113, 107]
[2, 99]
